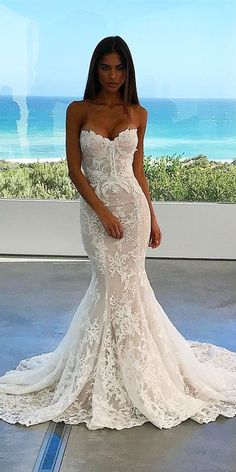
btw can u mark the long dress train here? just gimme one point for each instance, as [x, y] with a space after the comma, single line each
[122, 362]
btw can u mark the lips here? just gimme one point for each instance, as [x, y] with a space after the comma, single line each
[112, 83]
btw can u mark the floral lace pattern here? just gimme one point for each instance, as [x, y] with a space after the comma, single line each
[122, 362]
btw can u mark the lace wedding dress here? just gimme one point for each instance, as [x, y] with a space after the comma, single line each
[122, 362]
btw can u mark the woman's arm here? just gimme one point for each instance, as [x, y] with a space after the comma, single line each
[138, 167]
[74, 114]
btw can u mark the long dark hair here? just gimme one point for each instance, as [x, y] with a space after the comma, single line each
[128, 90]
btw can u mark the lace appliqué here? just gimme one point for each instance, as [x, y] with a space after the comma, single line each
[122, 362]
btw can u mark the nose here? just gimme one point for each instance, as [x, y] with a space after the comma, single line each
[113, 74]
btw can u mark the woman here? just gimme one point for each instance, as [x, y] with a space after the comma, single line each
[122, 362]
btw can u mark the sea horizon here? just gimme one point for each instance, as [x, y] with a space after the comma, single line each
[32, 128]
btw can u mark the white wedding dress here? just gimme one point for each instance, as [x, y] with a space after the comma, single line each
[122, 362]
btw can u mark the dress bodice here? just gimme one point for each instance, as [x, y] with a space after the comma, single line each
[106, 158]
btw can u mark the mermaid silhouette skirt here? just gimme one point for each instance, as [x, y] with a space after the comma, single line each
[122, 362]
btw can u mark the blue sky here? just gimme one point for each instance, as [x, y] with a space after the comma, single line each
[180, 48]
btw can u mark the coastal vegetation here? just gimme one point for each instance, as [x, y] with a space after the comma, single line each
[170, 178]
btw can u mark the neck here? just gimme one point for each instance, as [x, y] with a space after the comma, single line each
[108, 99]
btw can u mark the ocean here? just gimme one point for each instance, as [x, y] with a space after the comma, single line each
[33, 127]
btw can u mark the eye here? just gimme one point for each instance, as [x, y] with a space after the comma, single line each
[122, 67]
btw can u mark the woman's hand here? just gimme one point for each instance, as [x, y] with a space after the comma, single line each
[111, 224]
[155, 235]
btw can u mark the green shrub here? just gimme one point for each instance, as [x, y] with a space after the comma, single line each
[191, 180]
[169, 179]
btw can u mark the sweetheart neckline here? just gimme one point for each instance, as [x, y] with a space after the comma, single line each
[104, 137]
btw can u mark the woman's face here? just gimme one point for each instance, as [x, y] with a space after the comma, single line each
[111, 71]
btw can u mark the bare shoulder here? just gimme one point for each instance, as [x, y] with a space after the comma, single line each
[141, 118]
[76, 112]
[140, 114]
[143, 113]
[77, 106]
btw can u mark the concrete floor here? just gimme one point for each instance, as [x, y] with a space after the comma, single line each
[37, 302]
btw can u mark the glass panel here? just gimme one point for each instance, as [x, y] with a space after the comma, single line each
[184, 59]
